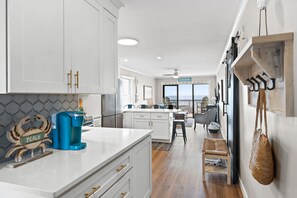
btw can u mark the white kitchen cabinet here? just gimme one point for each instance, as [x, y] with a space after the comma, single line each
[142, 169]
[35, 46]
[102, 180]
[159, 122]
[109, 57]
[141, 124]
[127, 120]
[58, 46]
[83, 24]
[122, 188]
[160, 129]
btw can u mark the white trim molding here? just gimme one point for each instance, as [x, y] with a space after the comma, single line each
[242, 188]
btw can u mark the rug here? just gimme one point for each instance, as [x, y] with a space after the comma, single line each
[160, 146]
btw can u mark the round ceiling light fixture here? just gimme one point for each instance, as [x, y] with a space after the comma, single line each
[127, 41]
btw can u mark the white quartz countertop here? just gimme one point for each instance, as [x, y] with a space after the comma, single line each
[52, 175]
[152, 110]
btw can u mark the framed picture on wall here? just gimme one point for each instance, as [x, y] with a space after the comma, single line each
[227, 81]
[147, 92]
[222, 91]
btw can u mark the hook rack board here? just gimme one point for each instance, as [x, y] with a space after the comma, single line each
[272, 54]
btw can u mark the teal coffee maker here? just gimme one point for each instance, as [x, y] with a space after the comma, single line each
[67, 131]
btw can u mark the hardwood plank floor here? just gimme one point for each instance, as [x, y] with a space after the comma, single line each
[178, 173]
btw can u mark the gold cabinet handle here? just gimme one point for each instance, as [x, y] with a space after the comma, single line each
[69, 78]
[123, 194]
[94, 189]
[121, 167]
[76, 79]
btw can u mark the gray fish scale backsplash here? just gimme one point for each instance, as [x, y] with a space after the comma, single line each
[13, 107]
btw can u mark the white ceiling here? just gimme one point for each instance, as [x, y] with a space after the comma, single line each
[189, 35]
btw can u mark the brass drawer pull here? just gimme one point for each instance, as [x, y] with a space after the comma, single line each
[121, 167]
[123, 194]
[69, 78]
[76, 79]
[94, 189]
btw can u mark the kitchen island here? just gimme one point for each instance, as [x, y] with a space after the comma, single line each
[159, 120]
[114, 162]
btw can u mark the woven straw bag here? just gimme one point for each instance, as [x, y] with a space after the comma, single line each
[261, 159]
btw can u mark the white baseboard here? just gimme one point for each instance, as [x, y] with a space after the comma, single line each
[242, 188]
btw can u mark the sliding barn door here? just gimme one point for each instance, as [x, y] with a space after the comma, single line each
[232, 87]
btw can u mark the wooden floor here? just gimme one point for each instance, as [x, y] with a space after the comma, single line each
[177, 172]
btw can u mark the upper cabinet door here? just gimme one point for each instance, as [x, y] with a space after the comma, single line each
[109, 61]
[36, 46]
[83, 19]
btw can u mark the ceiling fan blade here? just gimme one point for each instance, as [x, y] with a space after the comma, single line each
[167, 74]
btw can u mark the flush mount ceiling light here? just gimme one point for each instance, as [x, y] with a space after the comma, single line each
[127, 41]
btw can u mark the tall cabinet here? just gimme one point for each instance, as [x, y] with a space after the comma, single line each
[109, 60]
[60, 46]
[83, 24]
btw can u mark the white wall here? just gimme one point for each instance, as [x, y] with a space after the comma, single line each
[91, 104]
[282, 130]
[141, 80]
[202, 79]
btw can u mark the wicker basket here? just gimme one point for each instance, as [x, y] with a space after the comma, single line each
[261, 160]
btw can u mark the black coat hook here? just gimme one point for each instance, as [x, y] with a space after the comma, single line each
[252, 83]
[273, 84]
[272, 80]
[257, 82]
[263, 80]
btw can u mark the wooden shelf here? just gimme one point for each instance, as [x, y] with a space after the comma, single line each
[272, 54]
[214, 169]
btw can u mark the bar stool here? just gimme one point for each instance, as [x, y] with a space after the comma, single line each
[179, 120]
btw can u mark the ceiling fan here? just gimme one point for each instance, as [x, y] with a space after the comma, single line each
[175, 74]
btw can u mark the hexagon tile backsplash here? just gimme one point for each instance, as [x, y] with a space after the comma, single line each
[15, 107]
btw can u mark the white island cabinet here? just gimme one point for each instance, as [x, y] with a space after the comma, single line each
[159, 120]
[116, 163]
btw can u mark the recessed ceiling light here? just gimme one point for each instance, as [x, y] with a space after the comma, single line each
[126, 60]
[127, 41]
[159, 58]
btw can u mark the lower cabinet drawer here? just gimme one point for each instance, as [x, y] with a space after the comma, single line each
[142, 115]
[163, 116]
[99, 182]
[121, 189]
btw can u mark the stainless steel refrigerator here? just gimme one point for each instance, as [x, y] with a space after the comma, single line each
[111, 109]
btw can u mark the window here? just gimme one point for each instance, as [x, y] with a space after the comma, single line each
[200, 91]
[170, 93]
[187, 97]
[127, 90]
